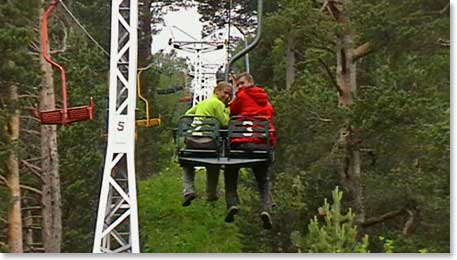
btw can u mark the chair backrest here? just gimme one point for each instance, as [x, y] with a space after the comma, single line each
[204, 127]
[248, 126]
[253, 137]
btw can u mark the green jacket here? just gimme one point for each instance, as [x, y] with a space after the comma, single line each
[212, 107]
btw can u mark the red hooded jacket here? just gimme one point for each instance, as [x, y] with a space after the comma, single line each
[253, 101]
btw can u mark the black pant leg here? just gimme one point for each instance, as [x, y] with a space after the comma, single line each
[231, 186]
[263, 184]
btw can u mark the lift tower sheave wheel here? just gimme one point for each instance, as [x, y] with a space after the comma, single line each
[117, 220]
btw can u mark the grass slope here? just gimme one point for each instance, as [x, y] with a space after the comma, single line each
[167, 227]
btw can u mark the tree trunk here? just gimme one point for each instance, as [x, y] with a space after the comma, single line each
[147, 88]
[346, 72]
[51, 200]
[14, 213]
[346, 69]
[350, 173]
[290, 75]
[28, 222]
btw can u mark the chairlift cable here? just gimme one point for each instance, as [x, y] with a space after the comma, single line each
[83, 28]
[190, 36]
[228, 32]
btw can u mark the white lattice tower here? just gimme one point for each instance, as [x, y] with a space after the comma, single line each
[117, 220]
[199, 93]
[202, 84]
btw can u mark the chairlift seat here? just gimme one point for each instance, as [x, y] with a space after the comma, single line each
[148, 122]
[66, 116]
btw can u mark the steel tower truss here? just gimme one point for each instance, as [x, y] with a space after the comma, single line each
[204, 75]
[117, 219]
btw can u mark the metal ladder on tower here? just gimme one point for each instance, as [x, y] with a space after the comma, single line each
[117, 219]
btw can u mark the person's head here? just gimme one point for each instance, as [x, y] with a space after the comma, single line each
[223, 91]
[244, 80]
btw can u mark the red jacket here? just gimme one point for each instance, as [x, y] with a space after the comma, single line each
[253, 101]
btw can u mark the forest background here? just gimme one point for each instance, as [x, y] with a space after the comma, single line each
[361, 90]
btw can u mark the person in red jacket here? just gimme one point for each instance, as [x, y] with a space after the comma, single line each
[250, 100]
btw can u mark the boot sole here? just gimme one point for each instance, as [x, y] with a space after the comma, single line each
[267, 224]
[188, 201]
[231, 215]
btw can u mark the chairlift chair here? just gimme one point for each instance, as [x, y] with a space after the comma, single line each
[250, 127]
[147, 122]
[66, 114]
[222, 153]
[198, 127]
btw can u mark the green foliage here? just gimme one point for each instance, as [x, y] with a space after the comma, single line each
[167, 227]
[336, 235]
[388, 244]
[401, 119]
[155, 148]
[17, 68]
[82, 145]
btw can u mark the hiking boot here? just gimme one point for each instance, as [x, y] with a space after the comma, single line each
[188, 199]
[233, 210]
[266, 219]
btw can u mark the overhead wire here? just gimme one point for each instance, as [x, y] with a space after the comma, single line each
[83, 28]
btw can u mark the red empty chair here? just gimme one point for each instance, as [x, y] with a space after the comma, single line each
[66, 114]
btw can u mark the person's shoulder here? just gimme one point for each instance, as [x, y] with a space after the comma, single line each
[241, 92]
[260, 88]
[214, 101]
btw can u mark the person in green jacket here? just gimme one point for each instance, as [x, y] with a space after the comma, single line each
[216, 106]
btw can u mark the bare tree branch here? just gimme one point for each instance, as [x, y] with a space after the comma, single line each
[64, 41]
[324, 6]
[31, 208]
[31, 166]
[32, 132]
[34, 169]
[3, 220]
[4, 181]
[30, 118]
[330, 75]
[35, 47]
[335, 11]
[31, 189]
[409, 223]
[363, 50]
[36, 227]
[320, 118]
[444, 43]
[28, 96]
[31, 217]
[382, 218]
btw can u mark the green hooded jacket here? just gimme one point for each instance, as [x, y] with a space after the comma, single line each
[212, 107]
